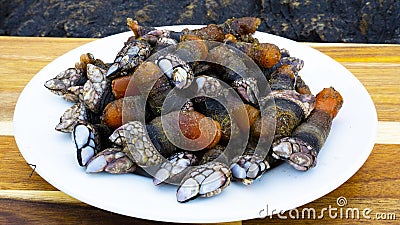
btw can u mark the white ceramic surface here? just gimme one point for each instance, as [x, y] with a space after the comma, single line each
[347, 148]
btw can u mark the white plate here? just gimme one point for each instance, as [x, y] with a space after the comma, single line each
[347, 148]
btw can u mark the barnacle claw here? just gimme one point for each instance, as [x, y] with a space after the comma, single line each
[88, 140]
[300, 154]
[247, 89]
[86, 143]
[176, 69]
[74, 94]
[174, 169]
[208, 86]
[111, 160]
[205, 180]
[113, 69]
[130, 56]
[248, 168]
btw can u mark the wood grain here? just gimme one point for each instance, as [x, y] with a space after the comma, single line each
[22, 212]
[388, 133]
[30, 199]
[378, 53]
[15, 173]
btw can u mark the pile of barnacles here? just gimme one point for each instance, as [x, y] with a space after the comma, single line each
[120, 122]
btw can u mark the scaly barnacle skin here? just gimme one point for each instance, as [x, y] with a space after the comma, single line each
[241, 28]
[284, 104]
[211, 32]
[136, 143]
[69, 82]
[287, 108]
[71, 117]
[71, 77]
[96, 92]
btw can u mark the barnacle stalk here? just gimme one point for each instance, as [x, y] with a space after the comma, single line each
[284, 104]
[150, 81]
[215, 110]
[235, 72]
[302, 147]
[123, 87]
[288, 109]
[240, 26]
[214, 154]
[123, 110]
[191, 130]
[159, 138]
[266, 55]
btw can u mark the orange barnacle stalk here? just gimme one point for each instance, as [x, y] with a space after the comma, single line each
[266, 55]
[122, 110]
[330, 101]
[124, 86]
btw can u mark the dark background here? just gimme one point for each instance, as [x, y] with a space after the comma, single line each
[373, 21]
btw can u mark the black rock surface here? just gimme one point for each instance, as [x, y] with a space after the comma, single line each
[373, 21]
